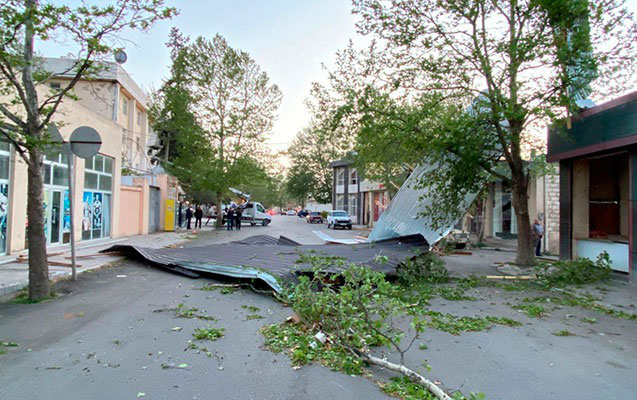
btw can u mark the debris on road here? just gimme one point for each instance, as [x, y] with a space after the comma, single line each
[275, 261]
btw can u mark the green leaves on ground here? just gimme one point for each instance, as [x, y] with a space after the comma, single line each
[208, 333]
[184, 312]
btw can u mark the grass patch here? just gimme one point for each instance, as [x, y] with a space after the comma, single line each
[208, 333]
[23, 297]
[563, 332]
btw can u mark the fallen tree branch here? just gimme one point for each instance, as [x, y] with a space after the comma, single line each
[413, 376]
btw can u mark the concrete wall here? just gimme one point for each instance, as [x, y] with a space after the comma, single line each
[131, 211]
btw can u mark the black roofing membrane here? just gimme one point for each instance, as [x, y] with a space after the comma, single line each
[257, 257]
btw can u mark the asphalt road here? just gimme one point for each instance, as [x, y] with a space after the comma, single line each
[111, 336]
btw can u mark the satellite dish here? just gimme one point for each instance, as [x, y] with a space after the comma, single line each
[85, 142]
[120, 57]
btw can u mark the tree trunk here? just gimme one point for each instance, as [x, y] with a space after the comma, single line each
[482, 222]
[39, 287]
[526, 254]
[219, 222]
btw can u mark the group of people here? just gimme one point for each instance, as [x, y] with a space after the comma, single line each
[198, 214]
[233, 217]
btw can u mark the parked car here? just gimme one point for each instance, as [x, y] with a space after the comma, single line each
[282, 212]
[290, 213]
[458, 238]
[314, 216]
[339, 218]
[271, 212]
[303, 213]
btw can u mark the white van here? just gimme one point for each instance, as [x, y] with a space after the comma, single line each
[254, 213]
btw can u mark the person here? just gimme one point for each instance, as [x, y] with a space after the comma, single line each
[180, 216]
[538, 232]
[211, 213]
[188, 216]
[237, 217]
[230, 217]
[198, 217]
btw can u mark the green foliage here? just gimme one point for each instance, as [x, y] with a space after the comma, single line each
[531, 309]
[214, 113]
[252, 309]
[324, 215]
[563, 332]
[455, 325]
[424, 268]
[575, 272]
[403, 388]
[23, 297]
[184, 312]
[208, 333]
[589, 320]
[586, 301]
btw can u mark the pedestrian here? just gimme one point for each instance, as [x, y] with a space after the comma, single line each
[237, 217]
[211, 213]
[198, 217]
[230, 217]
[538, 232]
[188, 216]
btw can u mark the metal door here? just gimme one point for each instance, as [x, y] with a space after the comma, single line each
[154, 207]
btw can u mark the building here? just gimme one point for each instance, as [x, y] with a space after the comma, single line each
[116, 107]
[598, 182]
[499, 213]
[363, 200]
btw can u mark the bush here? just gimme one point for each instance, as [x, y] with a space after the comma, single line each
[324, 214]
[575, 272]
[424, 268]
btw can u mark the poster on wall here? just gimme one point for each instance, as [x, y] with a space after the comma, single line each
[97, 210]
[4, 211]
[45, 206]
[67, 212]
[87, 202]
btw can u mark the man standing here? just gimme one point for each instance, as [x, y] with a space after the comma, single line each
[188, 216]
[230, 218]
[538, 232]
[198, 217]
[237, 217]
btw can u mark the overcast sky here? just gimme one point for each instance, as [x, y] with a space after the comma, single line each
[289, 39]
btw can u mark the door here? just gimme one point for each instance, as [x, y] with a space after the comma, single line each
[154, 208]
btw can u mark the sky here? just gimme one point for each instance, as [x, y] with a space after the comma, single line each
[289, 39]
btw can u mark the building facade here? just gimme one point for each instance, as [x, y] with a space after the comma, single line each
[598, 183]
[499, 214]
[116, 108]
[363, 200]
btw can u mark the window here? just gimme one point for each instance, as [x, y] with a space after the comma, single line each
[55, 86]
[353, 204]
[124, 105]
[353, 177]
[96, 200]
[340, 176]
[260, 209]
[139, 118]
[608, 196]
[340, 201]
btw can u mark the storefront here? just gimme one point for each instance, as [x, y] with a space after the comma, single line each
[598, 183]
[57, 210]
[97, 198]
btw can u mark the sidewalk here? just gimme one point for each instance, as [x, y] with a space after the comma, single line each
[14, 274]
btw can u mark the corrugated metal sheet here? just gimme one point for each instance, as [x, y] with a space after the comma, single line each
[273, 261]
[403, 215]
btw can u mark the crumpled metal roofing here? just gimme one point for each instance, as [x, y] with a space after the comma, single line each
[403, 215]
[273, 261]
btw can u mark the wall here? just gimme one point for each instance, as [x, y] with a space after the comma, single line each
[131, 217]
[69, 116]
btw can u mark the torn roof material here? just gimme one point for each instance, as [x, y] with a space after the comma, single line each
[274, 261]
[404, 214]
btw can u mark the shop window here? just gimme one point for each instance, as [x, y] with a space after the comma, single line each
[608, 184]
[4, 193]
[96, 200]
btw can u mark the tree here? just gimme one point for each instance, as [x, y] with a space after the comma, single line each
[27, 108]
[233, 104]
[494, 70]
[311, 152]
